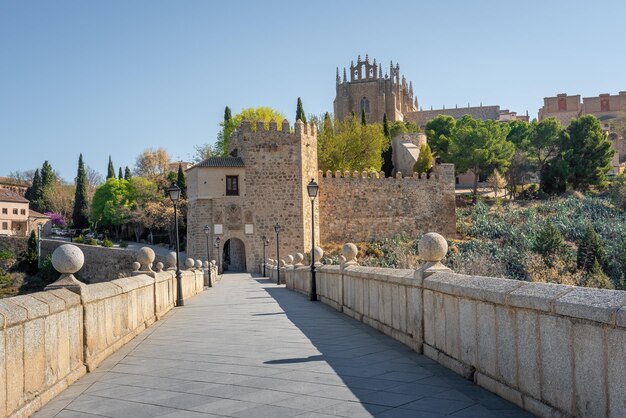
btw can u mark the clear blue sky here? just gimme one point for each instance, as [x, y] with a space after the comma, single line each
[115, 77]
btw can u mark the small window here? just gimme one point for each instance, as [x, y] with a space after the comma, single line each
[365, 105]
[232, 185]
[14, 211]
[5, 225]
[22, 211]
[4, 211]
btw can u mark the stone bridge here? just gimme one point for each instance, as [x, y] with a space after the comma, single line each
[455, 345]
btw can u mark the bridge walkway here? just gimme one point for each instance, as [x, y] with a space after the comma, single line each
[249, 348]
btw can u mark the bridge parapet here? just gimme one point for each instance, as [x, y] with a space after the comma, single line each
[554, 350]
[50, 339]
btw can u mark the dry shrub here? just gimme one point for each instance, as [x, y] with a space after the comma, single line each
[556, 271]
[475, 264]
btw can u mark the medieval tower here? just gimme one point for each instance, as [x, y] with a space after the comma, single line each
[370, 91]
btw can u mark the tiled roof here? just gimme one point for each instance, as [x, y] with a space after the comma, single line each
[35, 214]
[7, 195]
[221, 162]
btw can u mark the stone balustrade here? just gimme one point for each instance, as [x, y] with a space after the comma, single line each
[50, 339]
[554, 350]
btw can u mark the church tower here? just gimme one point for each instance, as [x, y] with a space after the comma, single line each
[373, 92]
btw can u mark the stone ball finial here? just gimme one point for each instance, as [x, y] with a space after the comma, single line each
[145, 257]
[205, 264]
[190, 263]
[159, 266]
[297, 259]
[198, 264]
[68, 259]
[349, 251]
[318, 253]
[136, 265]
[171, 260]
[432, 247]
[289, 259]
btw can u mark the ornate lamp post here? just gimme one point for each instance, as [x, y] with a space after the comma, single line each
[277, 229]
[217, 245]
[207, 229]
[265, 244]
[174, 193]
[312, 188]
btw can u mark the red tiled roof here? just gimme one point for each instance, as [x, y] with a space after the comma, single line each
[7, 195]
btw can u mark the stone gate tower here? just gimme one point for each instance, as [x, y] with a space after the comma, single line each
[243, 196]
[369, 90]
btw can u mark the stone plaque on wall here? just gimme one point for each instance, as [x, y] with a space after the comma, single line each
[249, 229]
[218, 229]
[234, 217]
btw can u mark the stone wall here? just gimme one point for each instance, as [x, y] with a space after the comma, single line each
[366, 206]
[49, 339]
[554, 350]
[101, 264]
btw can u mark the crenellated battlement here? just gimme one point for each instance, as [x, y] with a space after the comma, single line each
[285, 127]
[443, 173]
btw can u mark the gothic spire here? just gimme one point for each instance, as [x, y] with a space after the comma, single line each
[337, 77]
[344, 75]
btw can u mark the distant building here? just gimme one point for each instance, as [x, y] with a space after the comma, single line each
[565, 107]
[16, 219]
[17, 186]
[173, 166]
[368, 90]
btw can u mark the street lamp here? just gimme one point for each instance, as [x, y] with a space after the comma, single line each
[217, 245]
[265, 244]
[277, 229]
[312, 189]
[174, 193]
[208, 251]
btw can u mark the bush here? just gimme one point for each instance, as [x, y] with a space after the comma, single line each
[92, 241]
[47, 271]
[79, 239]
[6, 255]
[107, 243]
[123, 244]
[549, 241]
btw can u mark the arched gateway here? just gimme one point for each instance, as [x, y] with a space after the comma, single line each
[234, 255]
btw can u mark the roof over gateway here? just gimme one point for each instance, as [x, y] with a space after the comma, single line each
[221, 162]
[7, 195]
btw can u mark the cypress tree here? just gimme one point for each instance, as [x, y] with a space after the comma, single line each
[300, 111]
[119, 174]
[388, 152]
[110, 170]
[549, 241]
[182, 181]
[43, 199]
[363, 120]
[80, 214]
[32, 256]
[227, 114]
[33, 190]
[127, 173]
[590, 250]
[597, 278]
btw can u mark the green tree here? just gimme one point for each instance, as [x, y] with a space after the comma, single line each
[181, 180]
[300, 112]
[549, 241]
[520, 132]
[80, 213]
[31, 257]
[351, 146]
[120, 176]
[34, 191]
[554, 176]
[480, 146]
[252, 114]
[127, 173]
[387, 153]
[363, 120]
[544, 143]
[110, 169]
[439, 134]
[597, 278]
[424, 160]
[590, 250]
[110, 207]
[588, 153]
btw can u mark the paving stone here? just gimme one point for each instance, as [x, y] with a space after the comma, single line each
[226, 354]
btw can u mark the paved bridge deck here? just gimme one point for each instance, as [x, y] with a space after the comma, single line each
[249, 348]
